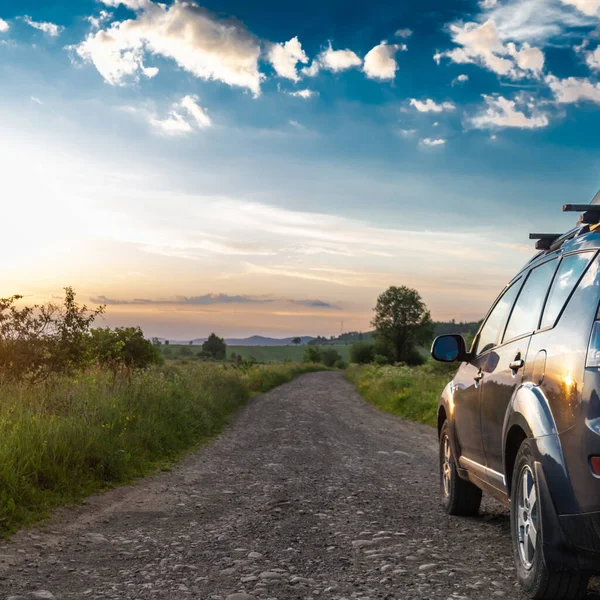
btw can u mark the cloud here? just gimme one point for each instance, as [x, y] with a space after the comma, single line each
[433, 142]
[97, 22]
[460, 79]
[199, 42]
[4, 26]
[380, 61]
[209, 300]
[306, 94]
[50, 28]
[593, 59]
[573, 89]
[501, 112]
[430, 106]
[132, 4]
[403, 33]
[36, 100]
[338, 60]
[488, 3]
[184, 117]
[480, 43]
[587, 7]
[407, 132]
[285, 57]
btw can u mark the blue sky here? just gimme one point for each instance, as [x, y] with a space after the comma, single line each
[314, 152]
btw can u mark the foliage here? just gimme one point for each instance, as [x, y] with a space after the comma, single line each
[312, 354]
[40, 340]
[123, 346]
[340, 364]
[67, 437]
[362, 353]
[409, 392]
[297, 341]
[329, 356]
[381, 359]
[215, 347]
[402, 321]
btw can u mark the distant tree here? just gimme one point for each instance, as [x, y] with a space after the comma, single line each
[191, 342]
[185, 351]
[362, 353]
[330, 356]
[123, 346]
[215, 347]
[167, 342]
[297, 341]
[312, 354]
[156, 342]
[402, 321]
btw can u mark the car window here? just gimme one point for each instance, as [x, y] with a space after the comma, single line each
[493, 327]
[569, 272]
[526, 312]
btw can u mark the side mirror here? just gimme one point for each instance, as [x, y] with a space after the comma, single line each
[449, 348]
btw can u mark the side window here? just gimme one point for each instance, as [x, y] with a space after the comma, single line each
[490, 334]
[569, 273]
[526, 313]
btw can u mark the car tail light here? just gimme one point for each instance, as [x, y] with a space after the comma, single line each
[595, 462]
[593, 355]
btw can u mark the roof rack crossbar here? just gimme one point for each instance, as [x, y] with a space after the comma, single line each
[544, 236]
[581, 207]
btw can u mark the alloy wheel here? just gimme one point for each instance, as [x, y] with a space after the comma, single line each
[527, 517]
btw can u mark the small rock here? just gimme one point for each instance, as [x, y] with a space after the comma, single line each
[427, 567]
[43, 595]
[255, 555]
[241, 596]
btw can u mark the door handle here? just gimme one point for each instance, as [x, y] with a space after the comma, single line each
[517, 364]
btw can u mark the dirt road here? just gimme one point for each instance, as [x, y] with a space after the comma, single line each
[311, 492]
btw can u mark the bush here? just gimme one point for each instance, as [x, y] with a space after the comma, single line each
[341, 364]
[124, 346]
[312, 354]
[215, 347]
[380, 359]
[329, 356]
[362, 353]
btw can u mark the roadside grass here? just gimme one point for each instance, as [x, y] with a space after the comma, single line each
[409, 392]
[69, 437]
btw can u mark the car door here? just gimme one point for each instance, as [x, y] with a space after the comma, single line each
[467, 388]
[505, 365]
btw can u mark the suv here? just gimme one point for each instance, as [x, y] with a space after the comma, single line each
[521, 418]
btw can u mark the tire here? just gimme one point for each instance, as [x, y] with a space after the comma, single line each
[459, 497]
[537, 580]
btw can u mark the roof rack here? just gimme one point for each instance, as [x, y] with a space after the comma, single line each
[591, 212]
[544, 240]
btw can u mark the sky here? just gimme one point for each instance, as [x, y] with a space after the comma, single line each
[253, 168]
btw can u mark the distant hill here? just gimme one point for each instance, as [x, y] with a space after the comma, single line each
[255, 340]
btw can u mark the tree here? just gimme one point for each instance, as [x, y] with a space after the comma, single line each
[215, 347]
[297, 341]
[123, 346]
[362, 353]
[402, 321]
[312, 354]
[330, 356]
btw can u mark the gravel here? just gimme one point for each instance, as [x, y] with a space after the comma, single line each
[310, 492]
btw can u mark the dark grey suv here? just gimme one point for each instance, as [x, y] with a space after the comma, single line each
[521, 418]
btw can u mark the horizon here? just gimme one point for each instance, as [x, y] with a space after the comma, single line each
[270, 172]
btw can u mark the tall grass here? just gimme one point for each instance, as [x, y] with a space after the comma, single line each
[68, 437]
[409, 392]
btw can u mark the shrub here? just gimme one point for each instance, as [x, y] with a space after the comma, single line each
[124, 346]
[329, 356]
[312, 354]
[215, 347]
[380, 359]
[362, 353]
[340, 364]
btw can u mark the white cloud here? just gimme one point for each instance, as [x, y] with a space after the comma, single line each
[173, 124]
[285, 57]
[190, 103]
[430, 106]
[480, 43]
[306, 94]
[338, 60]
[199, 42]
[433, 142]
[593, 59]
[404, 33]
[50, 28]
[573, 89]
[36, 100]
[460, 79]
[313, 70]
[96, 22]
[132, 4]
[501, 112]
[380, 62]
[4, 26]
[485, 4]
[587, 7]
[150, 72]
[407, 132]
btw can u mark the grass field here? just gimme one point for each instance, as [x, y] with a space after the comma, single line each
[262, 354]
[68, 437]
[409, 392]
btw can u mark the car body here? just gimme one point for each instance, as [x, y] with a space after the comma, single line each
[531, 383]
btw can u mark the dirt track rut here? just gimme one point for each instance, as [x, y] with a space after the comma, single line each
[310, 492]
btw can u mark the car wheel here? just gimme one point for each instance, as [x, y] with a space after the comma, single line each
[537, 580]
[459, 497]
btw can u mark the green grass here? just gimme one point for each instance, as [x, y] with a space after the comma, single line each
[262, 354]
[409, 392]
[67, 438]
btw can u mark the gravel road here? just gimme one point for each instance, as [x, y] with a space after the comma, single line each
[310, 492]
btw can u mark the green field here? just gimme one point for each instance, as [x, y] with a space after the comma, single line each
[262, 354]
